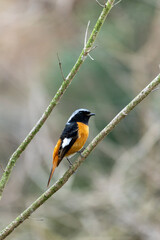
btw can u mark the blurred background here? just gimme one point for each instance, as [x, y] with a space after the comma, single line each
[115, 194]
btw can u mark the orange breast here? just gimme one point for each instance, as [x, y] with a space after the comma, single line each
[83, 131]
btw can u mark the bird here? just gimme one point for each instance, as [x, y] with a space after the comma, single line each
[72, 139]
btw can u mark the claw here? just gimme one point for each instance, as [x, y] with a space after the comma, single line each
[70, 163]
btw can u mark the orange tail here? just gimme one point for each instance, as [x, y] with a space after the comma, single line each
[55, 163]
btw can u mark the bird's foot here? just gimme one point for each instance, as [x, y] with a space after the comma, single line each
[80, 151]
[70, 163]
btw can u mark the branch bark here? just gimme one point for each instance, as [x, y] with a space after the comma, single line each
[53, 189]
[58, 95]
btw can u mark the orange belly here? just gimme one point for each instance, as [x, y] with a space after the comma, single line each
[83, 131]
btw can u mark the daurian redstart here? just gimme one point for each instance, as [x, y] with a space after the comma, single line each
[73, 137]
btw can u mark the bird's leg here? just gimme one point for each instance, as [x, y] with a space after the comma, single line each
[70, 163]
[81, 150]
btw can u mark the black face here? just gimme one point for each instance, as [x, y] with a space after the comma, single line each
[81, 115]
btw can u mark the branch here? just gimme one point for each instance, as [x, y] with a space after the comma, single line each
[53, 189]
[5, 177]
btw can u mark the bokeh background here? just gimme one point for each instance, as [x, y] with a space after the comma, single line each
[115, 194]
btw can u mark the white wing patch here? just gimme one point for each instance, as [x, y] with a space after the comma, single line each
[66, 142]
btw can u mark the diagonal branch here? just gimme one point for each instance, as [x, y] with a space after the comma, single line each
[46, 195]
[5, 177]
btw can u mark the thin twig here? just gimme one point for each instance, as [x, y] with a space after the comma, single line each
[37, 219]
[91, 51]
[101, 5]
[155, 89]
[117, 3]
[85, 42]
[2, 167]
[93, 48]
[86, 33]
[90, 57]
[53, 189]
[60, 66]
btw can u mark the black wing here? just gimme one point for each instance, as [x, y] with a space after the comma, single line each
[70, 131]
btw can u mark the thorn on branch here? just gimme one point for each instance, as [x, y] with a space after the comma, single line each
[93, 48]
[37, 219]
[2, 168]
[90, 57]
[87, 51]
[60, 66]
[101, 5]
[90, 51]
[117, 3]
[155, 89]
[125, 114]
[86, 33]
